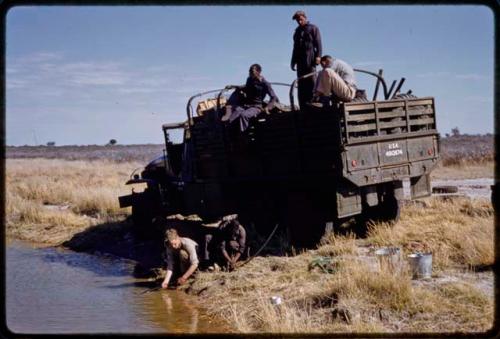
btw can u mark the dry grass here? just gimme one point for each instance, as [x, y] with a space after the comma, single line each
[361, 296]
[464, 171]
[459, 232]
[50, 200]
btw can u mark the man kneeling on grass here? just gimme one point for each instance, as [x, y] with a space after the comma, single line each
[181, 257]
[227, 245]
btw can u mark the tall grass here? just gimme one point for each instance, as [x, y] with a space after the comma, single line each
[457, 232]
[50, 200]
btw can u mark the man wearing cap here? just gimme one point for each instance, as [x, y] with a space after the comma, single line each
[248, 101]
[306, 55]
[336, 78]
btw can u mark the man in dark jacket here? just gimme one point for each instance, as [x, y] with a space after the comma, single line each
[233, 242]
[306, 55]
[247, 102]
[227, 245]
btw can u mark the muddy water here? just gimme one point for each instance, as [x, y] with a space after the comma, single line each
[51, 290]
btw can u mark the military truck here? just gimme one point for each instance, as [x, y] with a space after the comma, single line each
[302, 168]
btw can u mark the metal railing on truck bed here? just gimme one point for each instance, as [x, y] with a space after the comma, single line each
[375, 121]
[389, 140]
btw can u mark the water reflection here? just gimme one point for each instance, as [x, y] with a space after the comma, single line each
[56, 291]
[188, 319]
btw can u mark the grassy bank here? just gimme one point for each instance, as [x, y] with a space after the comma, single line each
[360, 296]
[52, 201]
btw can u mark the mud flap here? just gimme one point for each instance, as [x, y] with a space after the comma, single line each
[420, 186]
[348, 202]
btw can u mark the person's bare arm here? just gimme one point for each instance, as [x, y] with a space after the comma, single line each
[165, 282]
[170, 267]
[188, 273]
[235, 259]
[226, 255]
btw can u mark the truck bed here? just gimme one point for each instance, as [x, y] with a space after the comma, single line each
[366, 143]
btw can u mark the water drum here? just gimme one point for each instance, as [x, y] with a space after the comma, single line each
[421, 265]
[389, 259]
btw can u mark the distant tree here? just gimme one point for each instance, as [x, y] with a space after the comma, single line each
[447, 135]
[112, 142]
[51, 143]
[455, 132]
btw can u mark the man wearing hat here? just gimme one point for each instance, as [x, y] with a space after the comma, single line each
[306, 55]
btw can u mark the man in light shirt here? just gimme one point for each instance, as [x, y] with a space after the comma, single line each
[337, 78]
[181, 251]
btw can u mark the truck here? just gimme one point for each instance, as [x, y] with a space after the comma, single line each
[308, 169]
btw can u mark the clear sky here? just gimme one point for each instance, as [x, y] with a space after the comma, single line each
[85, 75]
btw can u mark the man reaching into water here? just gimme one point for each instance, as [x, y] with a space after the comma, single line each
[181, 254]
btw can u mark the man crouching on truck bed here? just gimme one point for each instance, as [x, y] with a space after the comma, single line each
[182, 252]
[337, 78]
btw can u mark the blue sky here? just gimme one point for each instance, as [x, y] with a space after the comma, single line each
[85, 75]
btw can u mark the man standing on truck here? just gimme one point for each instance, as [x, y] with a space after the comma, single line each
[306, 55]
[337, 78]
[181, 257]
[248, 101]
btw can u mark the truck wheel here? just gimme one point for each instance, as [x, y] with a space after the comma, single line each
[304, 219]
[387, 211]
[142, 220]
[143, 213]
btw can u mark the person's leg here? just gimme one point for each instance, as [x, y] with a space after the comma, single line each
[233, 101]
[205, 252]
[323, 84]
[305, 86]
[236, 112]
[244, 115]
[339, 87]
[206, 246]
[184, 262]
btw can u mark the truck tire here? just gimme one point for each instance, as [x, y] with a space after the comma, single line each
[142, 220]
[144, 211]
[141, 216]
[303, 216]
[388, 211]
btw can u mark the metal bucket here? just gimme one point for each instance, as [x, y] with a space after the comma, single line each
[389, 258]
[421, 265]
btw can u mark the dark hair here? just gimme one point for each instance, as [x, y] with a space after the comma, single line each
[257, 68]
[324, 57]
[298, 14]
